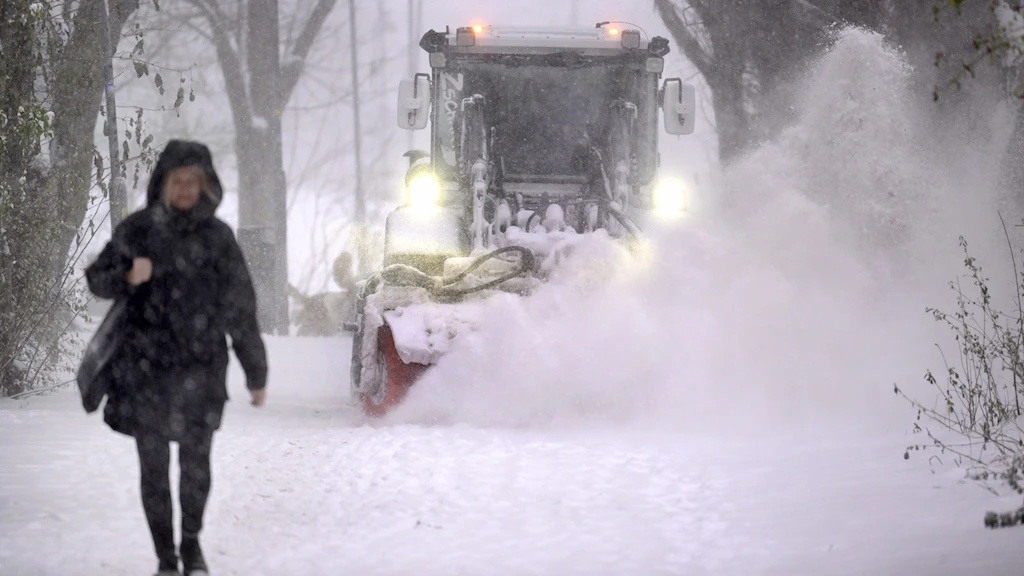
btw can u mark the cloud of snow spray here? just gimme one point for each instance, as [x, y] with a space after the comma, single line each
[793, 306]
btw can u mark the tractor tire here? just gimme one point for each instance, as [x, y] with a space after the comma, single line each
[396, 376]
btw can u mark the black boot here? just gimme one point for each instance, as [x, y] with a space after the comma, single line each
[168, 567]
[192, 557]
[168, 559]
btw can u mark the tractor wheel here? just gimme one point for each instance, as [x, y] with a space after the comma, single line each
[396, 375]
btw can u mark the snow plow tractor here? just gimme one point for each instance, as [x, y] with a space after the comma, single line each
[537, 136]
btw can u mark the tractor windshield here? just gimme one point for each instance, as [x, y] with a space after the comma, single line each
[540, 108]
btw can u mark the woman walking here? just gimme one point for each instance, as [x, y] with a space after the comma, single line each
[185, 286]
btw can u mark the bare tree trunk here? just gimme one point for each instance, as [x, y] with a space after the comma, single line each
[360, 199]
[749, 52]
[77, 93]
[727, 64]
[263, 219]
[115, 189]
[258, 86]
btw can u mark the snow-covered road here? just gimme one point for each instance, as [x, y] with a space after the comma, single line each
[304, 487]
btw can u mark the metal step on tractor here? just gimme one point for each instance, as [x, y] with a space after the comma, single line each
[538, 137]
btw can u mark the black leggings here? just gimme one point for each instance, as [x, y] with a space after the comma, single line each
[193, 488]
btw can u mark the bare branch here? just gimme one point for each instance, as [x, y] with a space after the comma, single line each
[230, 64]
[679, 29]
[211, 7]
[199, 30]
[822, 16]
[294, 59]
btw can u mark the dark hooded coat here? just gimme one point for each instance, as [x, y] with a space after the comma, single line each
[167, 372]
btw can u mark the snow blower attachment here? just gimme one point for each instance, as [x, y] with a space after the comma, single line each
[538, 137]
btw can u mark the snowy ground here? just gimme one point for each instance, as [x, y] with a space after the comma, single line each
[304, 487]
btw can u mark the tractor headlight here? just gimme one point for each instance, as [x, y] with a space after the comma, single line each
[424, 191]
[669, 196]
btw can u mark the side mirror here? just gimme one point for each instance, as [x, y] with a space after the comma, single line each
[679, 104]
[414, 102]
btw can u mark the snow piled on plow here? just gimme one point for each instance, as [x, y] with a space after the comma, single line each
[424, 331]
[794, 306]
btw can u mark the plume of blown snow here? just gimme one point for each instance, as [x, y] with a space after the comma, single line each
[793, 308]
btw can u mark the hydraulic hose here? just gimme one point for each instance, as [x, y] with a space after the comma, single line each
[442, 286]
[626, 221]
